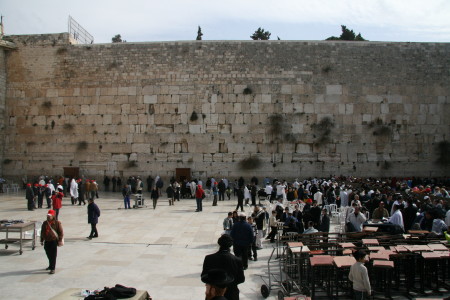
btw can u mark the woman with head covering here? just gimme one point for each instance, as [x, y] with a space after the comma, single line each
[51, 237]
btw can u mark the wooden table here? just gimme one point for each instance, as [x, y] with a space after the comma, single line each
[325, 262]
[347, 245]
[20, 228]
[299, 249]
[370, 229]
[370, 242]
[417, 248]
[376, 248]
[438, 247]
[418, 231]
[379, 255]
[429, 269]
[75, 293]
[385, 267]
[341, 263]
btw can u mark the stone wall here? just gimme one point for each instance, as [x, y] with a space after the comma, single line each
[2, 104]
[296, 108]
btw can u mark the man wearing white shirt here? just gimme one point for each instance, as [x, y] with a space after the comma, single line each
[397, 217]
[398, 202]
[280, 190]
[318, 196]
[357, 219]
[343, 196]
[296, 184]
[268, 189]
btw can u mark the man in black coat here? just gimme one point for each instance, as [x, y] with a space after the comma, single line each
[223, 259]
[29, 195]
[93, 214]
[315, 214]
[324, 222]
[242, 235]
[222, 188]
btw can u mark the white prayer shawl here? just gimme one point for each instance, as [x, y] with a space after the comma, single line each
[247, 193]
[74, 189]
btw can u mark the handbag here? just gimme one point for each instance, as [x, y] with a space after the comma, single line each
[60, 242]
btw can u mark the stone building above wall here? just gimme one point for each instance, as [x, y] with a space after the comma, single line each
[226, 108]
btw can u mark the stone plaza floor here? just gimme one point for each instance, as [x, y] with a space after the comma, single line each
[160, 251]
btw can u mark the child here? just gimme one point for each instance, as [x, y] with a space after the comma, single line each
[273, 227]
[252, 247]
[359, 276]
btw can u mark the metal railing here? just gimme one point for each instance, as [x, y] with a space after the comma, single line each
[78, 33]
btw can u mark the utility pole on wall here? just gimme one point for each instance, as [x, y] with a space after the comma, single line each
[1, 27]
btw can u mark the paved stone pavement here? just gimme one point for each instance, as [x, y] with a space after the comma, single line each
[160, 250]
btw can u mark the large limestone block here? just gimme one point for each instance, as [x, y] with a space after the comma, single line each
[286, 89]
[140, 148]
[394, 99]
[150, 99]
[335, 89]
[196, 128]
[374, 98]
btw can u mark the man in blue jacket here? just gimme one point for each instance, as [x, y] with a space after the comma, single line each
[242, 235]
[93, 214]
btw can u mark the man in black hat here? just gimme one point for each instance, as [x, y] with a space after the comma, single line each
[216, 281]
[224, 260]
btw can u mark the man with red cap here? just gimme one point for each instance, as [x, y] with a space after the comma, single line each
[51, 237]
[57, 201]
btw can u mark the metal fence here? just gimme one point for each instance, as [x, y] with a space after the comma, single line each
[78, 33]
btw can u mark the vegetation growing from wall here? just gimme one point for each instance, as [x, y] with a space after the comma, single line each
[83, 145]
[47, 104]
[250, 163]
[247, 91]
[194, 117]
[7, 161]
[379, 128]
[68, 126]
[323, 131]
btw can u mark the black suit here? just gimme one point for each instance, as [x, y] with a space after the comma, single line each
[223, 259]
[324, 224]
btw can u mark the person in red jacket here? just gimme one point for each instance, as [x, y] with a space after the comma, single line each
[199, 195]
[57, 201]
[51, 237]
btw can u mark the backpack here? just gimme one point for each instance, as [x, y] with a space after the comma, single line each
[120, 291]
[114, 293]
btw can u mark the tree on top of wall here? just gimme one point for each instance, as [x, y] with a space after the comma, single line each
[118, 39]
[260, 34]
[199, 34]
[347, 35]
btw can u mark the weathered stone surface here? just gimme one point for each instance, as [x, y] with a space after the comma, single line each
[129, 110]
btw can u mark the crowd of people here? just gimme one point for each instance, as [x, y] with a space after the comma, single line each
[302, 206]
[410, 203]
